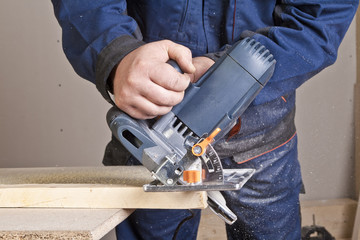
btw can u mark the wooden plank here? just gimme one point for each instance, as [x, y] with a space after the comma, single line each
[95, 196]
[58, 224]
[97, 187]
[336, 215]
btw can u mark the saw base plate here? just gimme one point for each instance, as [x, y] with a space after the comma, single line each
[234, 179]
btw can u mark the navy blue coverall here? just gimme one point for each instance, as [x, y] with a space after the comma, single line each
[303, 36]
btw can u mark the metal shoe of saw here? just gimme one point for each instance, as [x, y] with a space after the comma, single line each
[177, 147]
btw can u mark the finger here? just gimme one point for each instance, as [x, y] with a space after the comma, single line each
[161, 96]
[168, 96]
[182, 55]
[169, 78]
[142, 98]
[142, 108]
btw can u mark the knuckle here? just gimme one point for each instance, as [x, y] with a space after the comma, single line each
[167, 42]
[136, 114]
[183, 82]
[121, 95]
[139, 64]
[131, 85]
[178, 82]
[151, 111]
[163, 110]
[173, 84]
[164, 100]
[121, 104]
[187, 51]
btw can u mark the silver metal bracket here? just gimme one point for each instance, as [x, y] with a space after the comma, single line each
[234, 179]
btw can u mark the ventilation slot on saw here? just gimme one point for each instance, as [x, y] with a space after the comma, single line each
[131, 138]
[181, 128]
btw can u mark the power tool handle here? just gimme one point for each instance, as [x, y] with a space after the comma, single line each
[175, 65]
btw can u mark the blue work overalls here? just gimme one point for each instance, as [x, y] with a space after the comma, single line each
[303, 36]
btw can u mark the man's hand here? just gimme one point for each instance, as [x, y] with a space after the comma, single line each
[145, 86]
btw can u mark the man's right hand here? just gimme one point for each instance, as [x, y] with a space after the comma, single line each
[145, 86]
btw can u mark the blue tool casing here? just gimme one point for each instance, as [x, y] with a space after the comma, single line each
[216, 100]
[224, 92]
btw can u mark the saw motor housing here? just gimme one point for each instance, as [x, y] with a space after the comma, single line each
[176, 148]
[214, 102]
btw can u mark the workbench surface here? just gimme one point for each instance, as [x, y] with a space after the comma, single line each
[78, 202]
[89, 187]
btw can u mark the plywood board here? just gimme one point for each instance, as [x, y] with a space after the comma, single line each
[58, 224]
[97, 187]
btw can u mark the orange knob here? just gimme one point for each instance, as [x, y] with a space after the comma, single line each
[191, 176]
[200, 148]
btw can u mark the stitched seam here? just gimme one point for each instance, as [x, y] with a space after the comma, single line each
[319, 2]
[247, 160]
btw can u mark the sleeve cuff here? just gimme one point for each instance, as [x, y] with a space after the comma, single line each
[108, 58]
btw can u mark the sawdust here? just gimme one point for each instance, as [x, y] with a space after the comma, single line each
[9, 235]
[124, 175]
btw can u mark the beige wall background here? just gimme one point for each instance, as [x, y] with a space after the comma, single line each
[51, 117]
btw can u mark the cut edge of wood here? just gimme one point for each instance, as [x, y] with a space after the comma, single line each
[96, 196]
[16, 235]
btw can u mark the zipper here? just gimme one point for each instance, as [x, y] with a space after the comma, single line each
[183, 17]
